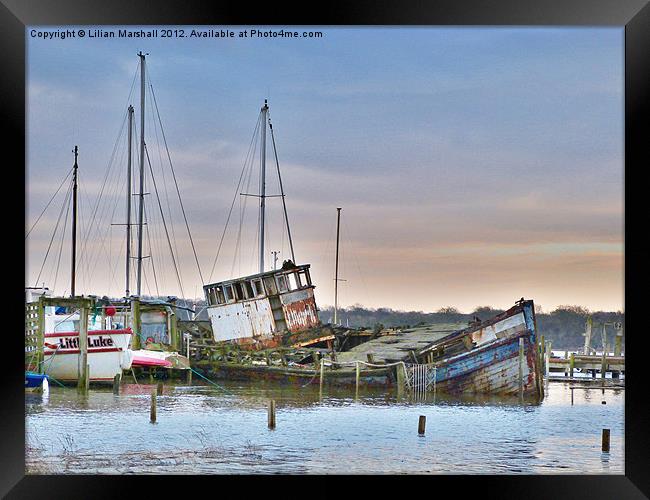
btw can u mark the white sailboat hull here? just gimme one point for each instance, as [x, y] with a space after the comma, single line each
[108, 354]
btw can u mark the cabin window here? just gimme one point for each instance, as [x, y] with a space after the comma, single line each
[239, 293]
[213, 296]
[283, 286]
[303, 277]
[228, 293]
[221, 299]
[293, 281]
[269, 284]
[258, 288]
[248, 289]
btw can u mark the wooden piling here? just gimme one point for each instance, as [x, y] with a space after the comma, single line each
[605, 440]
[357, 378]
[422, 424]
[547, 358]
[399, 376]
[322, 374]
[572, 363]
[154, 404]
[618, 342]
[271, 414]
[189, 376]
[159, 389]
[83, 368]
[603, 364]
[521, 367]
[571, 396]
[117, 379]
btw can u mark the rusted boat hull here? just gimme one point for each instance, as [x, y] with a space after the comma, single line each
[492, 369]
[295, 375]
[495, 366]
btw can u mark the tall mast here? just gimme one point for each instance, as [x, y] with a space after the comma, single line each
[141, 194]
[128, 203]
[74, 222]
[284, 204]
[265, 110]
[336, 272]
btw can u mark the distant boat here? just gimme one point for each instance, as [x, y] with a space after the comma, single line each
[264, 310]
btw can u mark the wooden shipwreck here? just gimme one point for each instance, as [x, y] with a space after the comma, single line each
[499, 356]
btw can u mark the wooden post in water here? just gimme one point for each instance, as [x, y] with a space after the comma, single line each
[571, 396]
[189, 376]
[135, 322]
[399, 376]
[605, 440]
[547, 358]
[357, 378]
[603, 364]
[322, 374]
[154, 403]
[521, 367]
[116, 383]
[618, 341]
[159, 389]
[84, 369]
[422, 424]
[271, 415]
[40, 356]
[572, 362]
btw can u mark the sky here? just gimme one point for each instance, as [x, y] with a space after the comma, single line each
[473, 166]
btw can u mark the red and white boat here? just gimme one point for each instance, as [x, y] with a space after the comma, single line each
[108, 349]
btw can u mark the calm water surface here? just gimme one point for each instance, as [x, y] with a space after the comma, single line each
[202, 429]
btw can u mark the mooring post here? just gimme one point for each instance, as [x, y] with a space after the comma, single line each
[603, 364]
[116, 383]
[571, 396]
[572, 363]
[521, 367]
[159, 389]
[605, 441]
[322, 373]
[548, 358]
[618, 341]
[357, 378]
[422, 424]
[154, 402]
[271, 414]
[189, 376]
[399, 376]
[84, 369]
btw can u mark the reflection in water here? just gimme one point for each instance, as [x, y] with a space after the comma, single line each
[201, 429]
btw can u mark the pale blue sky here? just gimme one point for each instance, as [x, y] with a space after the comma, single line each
[473, 165]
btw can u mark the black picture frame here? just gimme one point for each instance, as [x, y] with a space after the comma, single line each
[634, 15]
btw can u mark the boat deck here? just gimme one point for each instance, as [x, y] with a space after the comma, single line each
[397, 345]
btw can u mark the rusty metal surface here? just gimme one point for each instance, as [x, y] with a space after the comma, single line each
[299, 308]
[239, 320]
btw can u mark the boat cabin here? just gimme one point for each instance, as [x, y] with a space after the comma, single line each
[256, 307]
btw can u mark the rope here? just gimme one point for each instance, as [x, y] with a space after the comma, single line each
[176, 184]
[162, 215]
[48, 203]
[210, 381]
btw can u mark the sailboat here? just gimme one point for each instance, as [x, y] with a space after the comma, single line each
[52, 333]
[272, 307]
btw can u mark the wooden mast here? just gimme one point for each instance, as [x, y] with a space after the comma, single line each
[74, 222]
[128, 204]
[336, 272]
[265, 109]
[141, 194]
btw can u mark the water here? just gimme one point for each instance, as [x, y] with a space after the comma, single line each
[204, 430]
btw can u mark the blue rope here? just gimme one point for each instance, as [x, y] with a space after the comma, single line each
[210, 381]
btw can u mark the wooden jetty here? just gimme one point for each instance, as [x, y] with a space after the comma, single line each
[595, 365]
